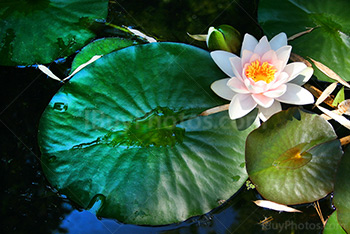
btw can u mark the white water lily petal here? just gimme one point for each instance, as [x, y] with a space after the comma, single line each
[270, 57]
[281, 79]
[211, 29]
[248, 92]
[283, 54]
[222, 59]
[237, 85]
[246, 55]
[254, 57]
[275, 93]
[252, 87]
[236, 66]
[241, 105]
[296, 95]
[303, 76]
[293, 69]
[249, 43]
[262, 47]
[266, 113]
[222, 90]
[262, 100]
[278, 41]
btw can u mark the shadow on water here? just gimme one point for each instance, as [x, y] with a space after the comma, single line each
[30, 205]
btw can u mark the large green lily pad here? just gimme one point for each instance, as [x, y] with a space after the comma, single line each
[292, 158]
[41, 31]
[126, 131]
[328, 43]
[342, 191]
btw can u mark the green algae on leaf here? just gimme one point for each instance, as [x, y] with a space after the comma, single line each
[43, 30]
[132, 132]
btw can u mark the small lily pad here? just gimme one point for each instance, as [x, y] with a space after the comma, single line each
[292, 158]
[41, 31]
[127, 130]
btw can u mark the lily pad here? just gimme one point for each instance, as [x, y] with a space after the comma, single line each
[126, 131]
[292, 158]
[101, 46]
[332, 225]
[342, 191]
[41, 31]
[328, 43]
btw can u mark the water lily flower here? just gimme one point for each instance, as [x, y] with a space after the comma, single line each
[261, 77]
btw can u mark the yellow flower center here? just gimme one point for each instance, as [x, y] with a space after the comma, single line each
[257, 71]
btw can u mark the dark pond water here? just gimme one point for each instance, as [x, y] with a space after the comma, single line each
[30, 205]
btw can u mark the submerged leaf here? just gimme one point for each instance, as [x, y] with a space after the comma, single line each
[38, 32]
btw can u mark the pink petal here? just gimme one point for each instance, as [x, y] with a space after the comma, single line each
[262, 100]
[236, 66]
[266, 113]
[303, 76]
[255, 87]
[237, 85]
[246, 55]
[293, 69]
[249, 43]
[241, 105]
[254, 57]
[222, 59]
[281, 79]
[278, 41]
[274, 93]
[262, 47]
[283, 54]
[222, 90]
[270, 57]
[296, 95]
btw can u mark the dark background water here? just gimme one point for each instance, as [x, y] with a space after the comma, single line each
[30, 205]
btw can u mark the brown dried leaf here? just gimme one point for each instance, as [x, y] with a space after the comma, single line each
[326, 93]
[300, 34]
[329, 72]
[297, 58]
[274, 206]
[198, 37]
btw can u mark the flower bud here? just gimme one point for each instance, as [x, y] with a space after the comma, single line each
[224, 37]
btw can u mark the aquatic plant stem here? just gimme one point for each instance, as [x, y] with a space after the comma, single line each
[215, 110]
[345, 140]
